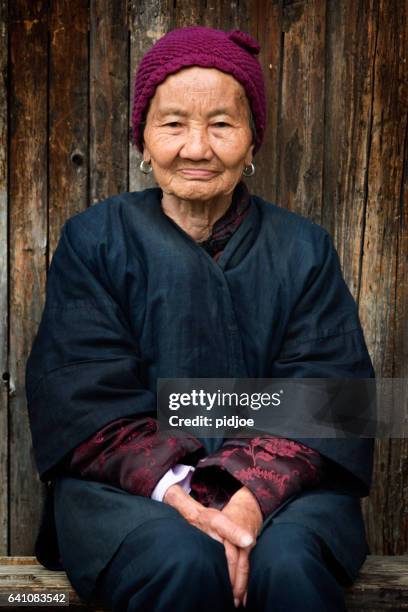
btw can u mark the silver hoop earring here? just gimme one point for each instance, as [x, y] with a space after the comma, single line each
[145, 167]
[249, 170]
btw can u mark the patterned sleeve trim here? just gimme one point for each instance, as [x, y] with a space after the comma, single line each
[272, 468]
[132, 454]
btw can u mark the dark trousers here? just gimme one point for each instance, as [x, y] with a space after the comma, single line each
[167, 565]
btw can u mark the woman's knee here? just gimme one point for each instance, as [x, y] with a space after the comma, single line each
[286, 550]
[167, 559]
[288, 569]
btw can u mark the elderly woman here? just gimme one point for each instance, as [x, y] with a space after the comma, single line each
[194, 278]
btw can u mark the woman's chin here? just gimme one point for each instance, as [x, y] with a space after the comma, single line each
[198, 189]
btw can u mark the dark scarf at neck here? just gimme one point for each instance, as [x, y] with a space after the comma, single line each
[226, 225]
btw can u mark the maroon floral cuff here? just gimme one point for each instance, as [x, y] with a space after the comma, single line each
[132, 454]
[272, 468]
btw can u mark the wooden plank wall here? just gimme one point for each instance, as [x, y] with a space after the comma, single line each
[3, 283]
[335, 151]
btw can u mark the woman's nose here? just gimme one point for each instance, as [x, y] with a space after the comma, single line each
[196, 145]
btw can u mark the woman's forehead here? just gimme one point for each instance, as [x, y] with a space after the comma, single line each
[196, 85]
[200, 76]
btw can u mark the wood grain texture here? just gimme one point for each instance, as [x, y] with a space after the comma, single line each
[383, 262]
[4, 273]
[26, 574]
[28, 247]
[351, 46]
[223, 15]
[4, 367]
[352, 35]
[301, 132]
[109, 92]
[68, 153]
[382, 583]
[264, 21]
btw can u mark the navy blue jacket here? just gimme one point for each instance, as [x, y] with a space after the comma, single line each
[131, 297]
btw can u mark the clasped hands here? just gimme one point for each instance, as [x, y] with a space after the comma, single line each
[236, 526]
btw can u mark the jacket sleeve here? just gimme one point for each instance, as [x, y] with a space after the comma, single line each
[324, 339]
[272, 468]
[84, 370]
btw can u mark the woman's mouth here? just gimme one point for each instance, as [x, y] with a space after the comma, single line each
[197, 173]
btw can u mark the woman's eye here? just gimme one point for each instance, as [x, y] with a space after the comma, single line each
[173, 124]
[221, 124]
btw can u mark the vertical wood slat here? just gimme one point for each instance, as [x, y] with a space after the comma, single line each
[68, 114]
[221, 15]
[379, 291]
[266, 26]
[187, 13]
[351, 47]
[351, 42]
[399, 463]
[28, 247]
[109, 92]
[3, 284]
[301, 134]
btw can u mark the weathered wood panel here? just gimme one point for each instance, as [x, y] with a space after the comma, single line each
[109, 93]
[68, 150]
[335, 150]
[351, 48]
[221, 15]
[3, 284]
[28, 245]
[381, 265]
[382, 583]
[301, 133]
[266, 24]
[351, 43]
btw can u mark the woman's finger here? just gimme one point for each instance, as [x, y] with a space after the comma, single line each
[231, 553]
[241, 574]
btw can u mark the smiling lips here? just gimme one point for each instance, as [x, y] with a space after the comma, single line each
[197, 173]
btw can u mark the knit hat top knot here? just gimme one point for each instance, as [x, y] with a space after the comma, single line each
[245, 41]
[231, 52]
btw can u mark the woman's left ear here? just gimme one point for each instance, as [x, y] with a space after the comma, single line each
[249, 158]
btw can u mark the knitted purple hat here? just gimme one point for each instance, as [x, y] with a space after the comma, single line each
[232, 52]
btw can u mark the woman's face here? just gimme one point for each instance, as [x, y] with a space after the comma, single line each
[197, 133]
